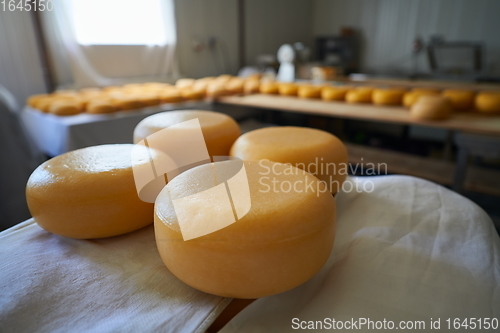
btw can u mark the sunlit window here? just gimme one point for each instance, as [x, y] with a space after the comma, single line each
[119, 22]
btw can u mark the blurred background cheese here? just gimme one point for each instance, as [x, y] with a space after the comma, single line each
[488, 102]
[89, 193]
[219, 130]
[460, 99]
[431, 108]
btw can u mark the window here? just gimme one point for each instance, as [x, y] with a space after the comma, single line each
[120, 22]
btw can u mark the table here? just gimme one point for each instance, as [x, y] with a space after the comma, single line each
[406, 249]
[55, 135]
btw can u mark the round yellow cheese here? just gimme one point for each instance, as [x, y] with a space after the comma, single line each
[283, 240]
[252, 86]
[219, 130]
[287, 89]
[170, 95]
[411, 97]
[269, 87]
[312, 150]
[388, 96]
[182, 83]
[89, 193]
[65, 107]
[309, 91]
[97, 106]
[359, 95]
[331, 93]
[460, 99]
[235, 85]
[488, 102]
[431, 108]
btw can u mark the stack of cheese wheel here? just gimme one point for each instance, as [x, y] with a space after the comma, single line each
[219, 130]
[89, 193]
[312, 150]
[488, 102]
[279, 241]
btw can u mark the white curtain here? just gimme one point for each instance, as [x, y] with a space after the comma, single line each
[103, 65]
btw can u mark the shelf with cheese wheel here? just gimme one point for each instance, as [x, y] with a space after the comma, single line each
[470, 122]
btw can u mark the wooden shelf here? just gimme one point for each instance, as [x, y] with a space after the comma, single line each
[478, 179]
[464, 121]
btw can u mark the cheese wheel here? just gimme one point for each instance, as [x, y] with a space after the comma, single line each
[309, 91]
[43, 103]
[359, 95]
[312, 150]
[219, 130]
[223, 79]
[149, 98]
[331, 93]
[89, 193]
[127, 102]
[283, 240]
[98, 106]
[287, 89]
[460, 99]
[388, 96]
[65, 107]
[235, 85]
[252, 86]
[33, 99]
[411, 97]
[269, 87]
[431, 108]
[190, 93]
[431, 91]
[217, 89]
[181, 83]
[171, 95]
[488, 102]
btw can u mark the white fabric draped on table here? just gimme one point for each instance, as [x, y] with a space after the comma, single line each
[410, 250]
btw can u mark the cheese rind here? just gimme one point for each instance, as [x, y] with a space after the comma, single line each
[88, 193]
[283, 240]
[312, 150]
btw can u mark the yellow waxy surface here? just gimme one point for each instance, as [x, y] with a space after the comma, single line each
[88, 193]
[219, 130]
[460, 99]
[284, 240]
[315, 151]
[331, 93]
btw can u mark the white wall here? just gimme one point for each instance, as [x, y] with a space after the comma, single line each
[271, 23]
[268, 24]
[388, 27]
[20, 67]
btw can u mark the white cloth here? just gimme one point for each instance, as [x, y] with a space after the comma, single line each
[55, 284]
[410, 250]
[55, 135]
